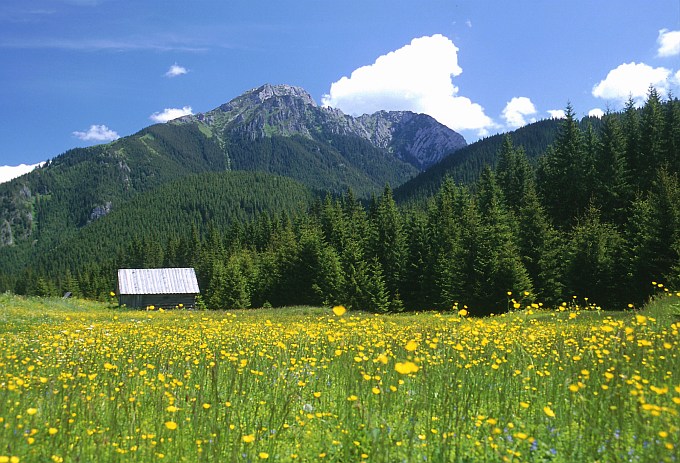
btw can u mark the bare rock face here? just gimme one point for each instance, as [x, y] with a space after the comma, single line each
[415, 138]
[100, 211]
[286, 110]
[268, 91]
[6, 236]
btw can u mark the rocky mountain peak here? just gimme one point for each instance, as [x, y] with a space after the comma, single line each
[268, 91]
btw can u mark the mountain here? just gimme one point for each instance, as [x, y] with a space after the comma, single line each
[276, 129]
[284, 110]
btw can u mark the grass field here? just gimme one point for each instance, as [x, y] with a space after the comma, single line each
[83, 381]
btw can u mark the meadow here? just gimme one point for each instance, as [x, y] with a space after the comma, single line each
[83, 381]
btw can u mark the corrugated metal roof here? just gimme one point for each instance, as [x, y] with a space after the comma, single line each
[157, 281]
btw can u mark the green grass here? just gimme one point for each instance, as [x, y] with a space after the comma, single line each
[85, 381]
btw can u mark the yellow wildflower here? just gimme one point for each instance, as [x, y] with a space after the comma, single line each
[171, 425]
[406, 367]
[339, 310]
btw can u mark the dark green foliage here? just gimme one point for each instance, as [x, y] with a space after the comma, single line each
[320, 269]
[497, 266]
[655, 233]
[651, 149]
[514, 173]
[672, 135]
[540, 248]
[417, 288]
[612, 190]
[229, 285]
[338, 163]
[387, 241]
[565, 173]
[450, 217]
[594, 261]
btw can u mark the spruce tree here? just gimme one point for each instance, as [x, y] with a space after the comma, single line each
[594, 262]
[540, 248]
[329, 281]
[671, 148]
[651, 139]
[446, 252]
[419, 270]
[319, 273]
[388, 241]
[215, 292]
[289, 287]
[514, 173]
[498, 267]
[633, 154]
[564, 174]
[612, 188]
[364, 285]
[655, 244]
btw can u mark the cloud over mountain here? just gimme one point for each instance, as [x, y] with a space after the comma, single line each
[97, 133]
[169, 114]
[7, 173]
[416, 77]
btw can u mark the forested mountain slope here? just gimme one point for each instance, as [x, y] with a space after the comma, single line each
[140, 232]
[465, 166]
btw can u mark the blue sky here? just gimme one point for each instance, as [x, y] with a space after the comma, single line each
[81, 72]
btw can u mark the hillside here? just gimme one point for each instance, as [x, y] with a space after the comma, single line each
[140, 230]
[466, 165]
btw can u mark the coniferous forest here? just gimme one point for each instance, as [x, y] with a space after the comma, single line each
[596, 216]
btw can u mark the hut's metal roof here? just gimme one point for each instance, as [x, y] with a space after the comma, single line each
[157, 281]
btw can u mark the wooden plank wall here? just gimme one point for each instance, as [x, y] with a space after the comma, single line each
[165, 301]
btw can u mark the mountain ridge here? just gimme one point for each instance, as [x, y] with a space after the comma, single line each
[290, 109]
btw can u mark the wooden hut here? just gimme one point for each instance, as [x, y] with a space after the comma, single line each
[158, 287]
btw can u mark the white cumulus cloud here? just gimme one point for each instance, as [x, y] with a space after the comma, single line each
[516, 111]
[632, 80]
[97, 133]
[669, 43]
[557, 113]
[7, 173]
[169, 114]
[596, 112]
[416, 77]
[176, 70]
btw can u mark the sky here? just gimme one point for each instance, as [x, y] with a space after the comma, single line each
[75, 73]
